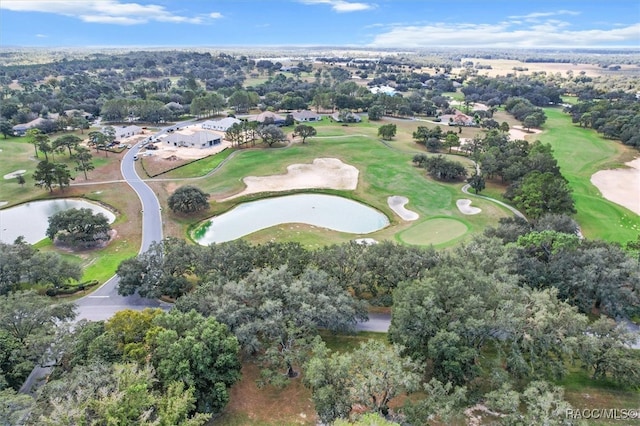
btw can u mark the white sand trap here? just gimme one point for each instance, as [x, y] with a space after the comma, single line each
[328, 173]
[464, 205]
[397, 203]
[366, 241]
[2, 203]
[15, 174]
[621, 186]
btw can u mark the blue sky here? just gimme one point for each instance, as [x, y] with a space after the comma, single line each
[359, 23]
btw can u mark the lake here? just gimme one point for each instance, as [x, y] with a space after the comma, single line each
[325, 211]
[31, 220]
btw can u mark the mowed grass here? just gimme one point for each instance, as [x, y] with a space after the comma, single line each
[200, 167]
[98, 264]
[384, 172]
[580, 153]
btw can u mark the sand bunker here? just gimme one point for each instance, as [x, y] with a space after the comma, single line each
[327, 173]
[15, 174]
[621, 186]
[366, 241]
[397, 204]
[464, 205]
[518, 133]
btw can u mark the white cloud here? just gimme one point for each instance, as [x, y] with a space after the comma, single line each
[536, 15]
[104, 11]
[215, 15]
[341, 6]
[550, 33]
[41, 36]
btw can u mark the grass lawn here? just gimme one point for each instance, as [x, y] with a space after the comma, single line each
[99, 264]
[384, 171]
[580, 153]
[583, 393]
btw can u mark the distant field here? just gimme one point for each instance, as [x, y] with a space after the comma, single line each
[506, 66]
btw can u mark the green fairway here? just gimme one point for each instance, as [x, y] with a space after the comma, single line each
[200, 167]
[580, 153]
[434, 231]
[383, 172]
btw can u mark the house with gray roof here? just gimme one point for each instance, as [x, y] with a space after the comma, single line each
[126, 131]
[193, 139]
[305, 116]
[221, 125]
[270, 118]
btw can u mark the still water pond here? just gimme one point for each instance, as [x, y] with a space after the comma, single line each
[325, 211]
[31, 220]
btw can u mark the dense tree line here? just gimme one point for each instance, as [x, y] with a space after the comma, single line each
[536, 185]
[21, 263]
[175, 268]
[440, 168]
[496, 91]
[613, 118]
[139, 367]
[451, 309]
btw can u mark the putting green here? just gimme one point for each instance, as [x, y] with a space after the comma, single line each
[434, 231]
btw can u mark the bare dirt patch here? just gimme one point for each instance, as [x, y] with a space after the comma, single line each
[323, 173]
[251, 405]
[397, 203]
[621, 186]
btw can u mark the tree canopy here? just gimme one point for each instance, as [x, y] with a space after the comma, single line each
[79, 228]
[188, 199]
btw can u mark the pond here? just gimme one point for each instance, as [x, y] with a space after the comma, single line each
[325, 211]
[31, 220]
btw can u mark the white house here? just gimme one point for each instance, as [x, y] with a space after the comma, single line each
[387, 90]
[193, 139]
[221, 125]
[349, 117]
[126, 131]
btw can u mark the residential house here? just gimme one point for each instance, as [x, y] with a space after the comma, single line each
[21, 129]
[270, 118]
[127, 131]
[347, 117]
[193, 139]
[460, 119]
[305, 116]
[386, 90]
[221, 125]
[79, 113]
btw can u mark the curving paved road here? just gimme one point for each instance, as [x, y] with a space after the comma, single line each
[104, 302]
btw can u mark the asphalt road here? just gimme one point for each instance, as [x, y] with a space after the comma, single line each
[104, 302]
